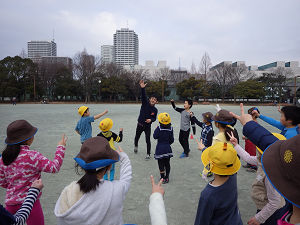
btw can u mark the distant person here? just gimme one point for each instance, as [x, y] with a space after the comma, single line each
[148, 113]
[84, 127]
[218, 200]
[105, 125]
[14, 101]
[207, 132]
[20, 167]
[185, 122]
[20, 217]
[289, 120]
[165, 137]
[92, 200]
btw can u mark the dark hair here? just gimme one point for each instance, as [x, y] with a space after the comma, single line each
[85, 112]
[292, 113]
[229, 130]
[165, 125]
[89, 181]
[190, 102]
[10, 153]
[251, 109]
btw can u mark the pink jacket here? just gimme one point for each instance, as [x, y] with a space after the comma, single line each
[19, 175]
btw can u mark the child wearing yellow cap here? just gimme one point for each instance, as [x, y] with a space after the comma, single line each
[84, 127]
[105, 125]
[163, 152]
[218, 200]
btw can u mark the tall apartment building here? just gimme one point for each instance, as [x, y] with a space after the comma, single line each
[126, 46]
[38, 49]
[107, 54]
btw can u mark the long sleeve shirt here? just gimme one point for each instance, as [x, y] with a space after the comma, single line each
[157, 209]
[207, 132]
[23, 213]
[274, 198]
[17, 177]
[287, 132]
[185, 119]
[147, 111]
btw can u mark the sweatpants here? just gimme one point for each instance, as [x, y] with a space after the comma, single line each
[36, 216]
[140, 128]
[184, 140]
[164, 166]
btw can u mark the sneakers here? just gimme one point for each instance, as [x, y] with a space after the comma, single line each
[166, 180]
[135, 149]
[148, 157]
[183, 155]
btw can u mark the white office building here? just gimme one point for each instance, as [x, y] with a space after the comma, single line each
[126, 47]
[38, 49]
[107, 54]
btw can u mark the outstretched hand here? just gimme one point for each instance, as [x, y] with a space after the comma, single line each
[63, 140]
[233, 140]
[142, 84]
[243, 118]
[38, 184]
[120, 150]
[157, 187]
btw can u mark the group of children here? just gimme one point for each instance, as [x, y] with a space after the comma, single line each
[275, 190]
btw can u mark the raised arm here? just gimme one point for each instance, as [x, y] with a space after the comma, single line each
[272, 122]
[125, 170]
[176, 108]
[101, 114]
[194, 119]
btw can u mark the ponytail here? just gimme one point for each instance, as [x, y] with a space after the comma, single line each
[229, 129]
[10, 153]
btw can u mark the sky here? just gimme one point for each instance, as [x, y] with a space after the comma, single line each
[257, 31]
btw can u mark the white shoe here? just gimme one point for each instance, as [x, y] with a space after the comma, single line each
[148, 157]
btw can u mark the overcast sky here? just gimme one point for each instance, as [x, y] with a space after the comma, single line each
[256, 31]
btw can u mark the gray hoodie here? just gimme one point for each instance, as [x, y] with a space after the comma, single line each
[102, 206]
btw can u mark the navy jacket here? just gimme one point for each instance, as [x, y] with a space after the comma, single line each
[147, 111]
[6, 217]
[165, 137]
[258, 135]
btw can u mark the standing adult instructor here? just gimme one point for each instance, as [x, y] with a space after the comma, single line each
[147, 115]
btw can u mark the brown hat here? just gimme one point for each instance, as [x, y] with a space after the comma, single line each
[224, 117]
[281, 163]
[19, 131]
[207, 116]
[96, 153]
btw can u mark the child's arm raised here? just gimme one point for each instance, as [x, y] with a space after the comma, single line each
[125, 170]
[100, 115]
[176, 108]
[45, 165]
[272, 122]
[194, 119]
[143, 92]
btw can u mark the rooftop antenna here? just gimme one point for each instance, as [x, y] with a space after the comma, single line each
[179, 63]
[53, 35]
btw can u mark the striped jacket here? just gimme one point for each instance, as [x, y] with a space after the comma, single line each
[19, 175]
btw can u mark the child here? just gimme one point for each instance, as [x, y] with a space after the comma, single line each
[267, 200]
[249, 146]
[147, 116]
[84, 127]
[185, 126]
[105, 125]
[165, 137]
[20, 167]
[20, 217]
[92, 200]
[289, 119]
[207, 132]
[224, 121]
[218, 200]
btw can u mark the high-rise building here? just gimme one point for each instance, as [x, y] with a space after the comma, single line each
[38, 49]
[126, 44]
[107, 54]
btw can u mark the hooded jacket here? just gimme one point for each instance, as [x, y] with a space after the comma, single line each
[102, 206]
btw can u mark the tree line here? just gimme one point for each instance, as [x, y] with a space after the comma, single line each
[87, 79]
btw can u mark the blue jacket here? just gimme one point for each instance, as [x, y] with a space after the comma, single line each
[165, 137]
[287, 132]
[147, 111]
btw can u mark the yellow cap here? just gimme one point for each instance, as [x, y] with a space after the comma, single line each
[82, 109]
[164, 118]
[221, 159]
[279, 136]
[106, 124]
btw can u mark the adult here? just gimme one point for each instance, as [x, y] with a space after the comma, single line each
[147, 116]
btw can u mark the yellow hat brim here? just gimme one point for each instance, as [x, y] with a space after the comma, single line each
[217, 170]
[82, 110]
[279, 136]
[107, 128]
[160, 117]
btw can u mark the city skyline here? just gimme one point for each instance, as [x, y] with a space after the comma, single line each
[257, 32]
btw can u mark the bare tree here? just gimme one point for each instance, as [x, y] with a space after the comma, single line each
[205, 65]
[193, 68]
[134, 78]
[85, 68]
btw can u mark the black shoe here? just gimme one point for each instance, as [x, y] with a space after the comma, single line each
[166, 180]
[135, 149]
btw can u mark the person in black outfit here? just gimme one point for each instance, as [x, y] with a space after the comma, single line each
[147, 115]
